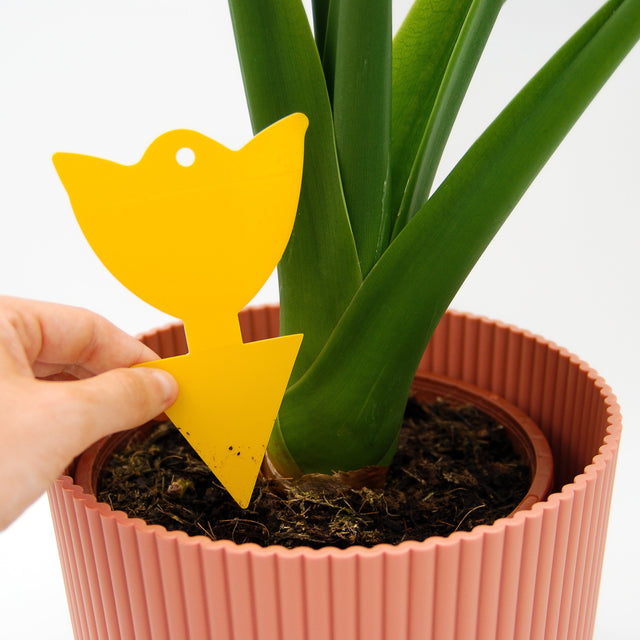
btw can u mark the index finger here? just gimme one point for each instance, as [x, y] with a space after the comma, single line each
[53, 335]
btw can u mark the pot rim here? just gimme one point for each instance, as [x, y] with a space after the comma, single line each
[606, 452]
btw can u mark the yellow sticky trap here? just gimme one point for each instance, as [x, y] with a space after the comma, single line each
[197, 238]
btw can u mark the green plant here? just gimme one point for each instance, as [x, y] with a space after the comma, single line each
[375, 257]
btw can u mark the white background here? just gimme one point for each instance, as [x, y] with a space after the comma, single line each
[106, 78]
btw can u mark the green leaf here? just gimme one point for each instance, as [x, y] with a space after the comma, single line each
[362, 377]
[459, 70]
[319, 272]
[422, 49]
[362, 120]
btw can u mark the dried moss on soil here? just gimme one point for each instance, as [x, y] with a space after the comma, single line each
[454, 469]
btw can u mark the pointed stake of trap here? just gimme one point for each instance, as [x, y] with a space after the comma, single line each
[198, 239]
[227, 411]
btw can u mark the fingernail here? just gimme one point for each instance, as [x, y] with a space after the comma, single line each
[168, 384]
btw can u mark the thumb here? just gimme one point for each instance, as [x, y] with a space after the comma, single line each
[112, 401]
[51, 422]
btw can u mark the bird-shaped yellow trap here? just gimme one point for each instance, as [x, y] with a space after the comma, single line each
[197, 239]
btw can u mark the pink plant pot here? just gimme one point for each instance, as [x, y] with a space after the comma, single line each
[533, 575]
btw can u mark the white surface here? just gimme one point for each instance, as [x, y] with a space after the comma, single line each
[107, 78]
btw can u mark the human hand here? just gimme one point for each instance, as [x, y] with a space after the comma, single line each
[65, 383]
